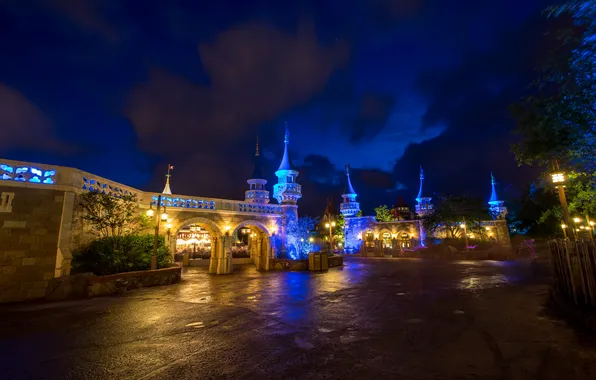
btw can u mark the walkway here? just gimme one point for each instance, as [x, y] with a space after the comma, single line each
[373, 319]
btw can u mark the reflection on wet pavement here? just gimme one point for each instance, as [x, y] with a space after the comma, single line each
[381, 319]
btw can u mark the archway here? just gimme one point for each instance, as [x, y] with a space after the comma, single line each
[251, 244]
[202, 241]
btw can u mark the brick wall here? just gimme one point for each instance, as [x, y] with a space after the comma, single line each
[29, 239]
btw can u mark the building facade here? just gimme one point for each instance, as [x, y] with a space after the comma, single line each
[366, 235]
[41, 224]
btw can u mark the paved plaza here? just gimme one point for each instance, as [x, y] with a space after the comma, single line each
[371, 319]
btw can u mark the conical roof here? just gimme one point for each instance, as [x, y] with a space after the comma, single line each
[493, 194]
[349, 189]
[286, 162]
[257, 172]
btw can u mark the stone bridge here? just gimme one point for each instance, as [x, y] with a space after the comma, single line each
[40, 224]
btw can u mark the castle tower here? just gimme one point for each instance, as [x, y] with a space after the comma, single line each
[496, 207]
[256, 192]
[166, 189]
[349, 206]
[423, 205]
[286, 190]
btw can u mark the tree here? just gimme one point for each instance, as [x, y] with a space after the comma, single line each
[557, 121]
[338, 230]
[383, 214]
[450, 212]
[298, 233]
[112, 216]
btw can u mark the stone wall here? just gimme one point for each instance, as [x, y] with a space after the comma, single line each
[30, 241]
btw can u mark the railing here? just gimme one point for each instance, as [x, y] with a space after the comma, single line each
[34, 175]
[27, 172]
[198, 203]
[574, 269]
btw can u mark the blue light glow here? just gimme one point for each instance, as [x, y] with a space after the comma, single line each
[7, 168]
[35, 179]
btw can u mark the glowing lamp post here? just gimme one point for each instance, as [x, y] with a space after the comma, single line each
[558, 179]
[564, 227]
[163, 217]
[330, 226]
[463, 226]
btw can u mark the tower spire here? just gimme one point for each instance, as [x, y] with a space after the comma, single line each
[166, 189]
[493, 194]
[419, 196]
[286, 162]
[257, 151]
[349, 183]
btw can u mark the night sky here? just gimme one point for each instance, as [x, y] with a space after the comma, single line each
[123, 88]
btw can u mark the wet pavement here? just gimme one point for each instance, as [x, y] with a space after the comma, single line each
[371, 319]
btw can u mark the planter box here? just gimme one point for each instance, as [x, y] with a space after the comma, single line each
[90, 285]
[336, 261]
[287, 264]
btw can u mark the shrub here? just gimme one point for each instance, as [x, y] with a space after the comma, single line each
[109, 255]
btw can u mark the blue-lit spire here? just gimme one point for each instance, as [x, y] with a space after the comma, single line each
[286, 162]
[419, 196]
[349, 183]
[493, 195]
[349, 207]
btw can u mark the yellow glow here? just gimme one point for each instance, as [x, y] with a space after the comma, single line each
[169, 226]
[563, 225]
[227, 227]
[164, 216]
[339, 244]
[487, 228]
[581, 227]
[558, 177]
[462, 226]
[327, 225]
[311, 239]
[150, 212]
[577, 220]
[333, 224]
[472, 236]
[592, 223]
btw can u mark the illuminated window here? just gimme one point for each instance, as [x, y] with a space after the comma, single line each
[387, 240]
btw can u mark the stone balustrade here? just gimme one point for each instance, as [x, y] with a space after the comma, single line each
[27, 174]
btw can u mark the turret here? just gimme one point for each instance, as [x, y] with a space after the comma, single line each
[423, 204]
[496, 207]
[349, 206]
[286, 190]
[166, 189]
[256, 192]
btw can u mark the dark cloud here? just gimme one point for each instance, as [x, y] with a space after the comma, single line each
[256, 72]
[24, 125]
[374, 112]
[88, 14]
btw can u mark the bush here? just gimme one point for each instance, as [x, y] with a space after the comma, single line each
[111, 255]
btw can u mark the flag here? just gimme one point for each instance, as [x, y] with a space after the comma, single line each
[170, 167]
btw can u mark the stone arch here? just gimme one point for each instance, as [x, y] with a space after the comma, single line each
[263, 248]
[248, 223]
[209, 224]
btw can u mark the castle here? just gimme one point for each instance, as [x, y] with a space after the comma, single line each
[366, 235]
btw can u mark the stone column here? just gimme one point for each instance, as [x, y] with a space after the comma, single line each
[259, 253]
[225, 256]
[269, 254]
[214, 260]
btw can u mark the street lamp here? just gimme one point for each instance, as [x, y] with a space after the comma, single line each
[463, 225]
[162, 218]
[576, 221]
[330, 226]
[564, 227]
[558, 178]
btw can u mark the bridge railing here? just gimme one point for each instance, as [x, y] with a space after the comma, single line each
[215, 204]
[20, 173]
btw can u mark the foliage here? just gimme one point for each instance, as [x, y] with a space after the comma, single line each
[112, 254]
[359, 213]
[450, 212]
[298, 234]
[112, 216]
[384, 214]
[528, 216]
[557, 120]
[338, 230]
